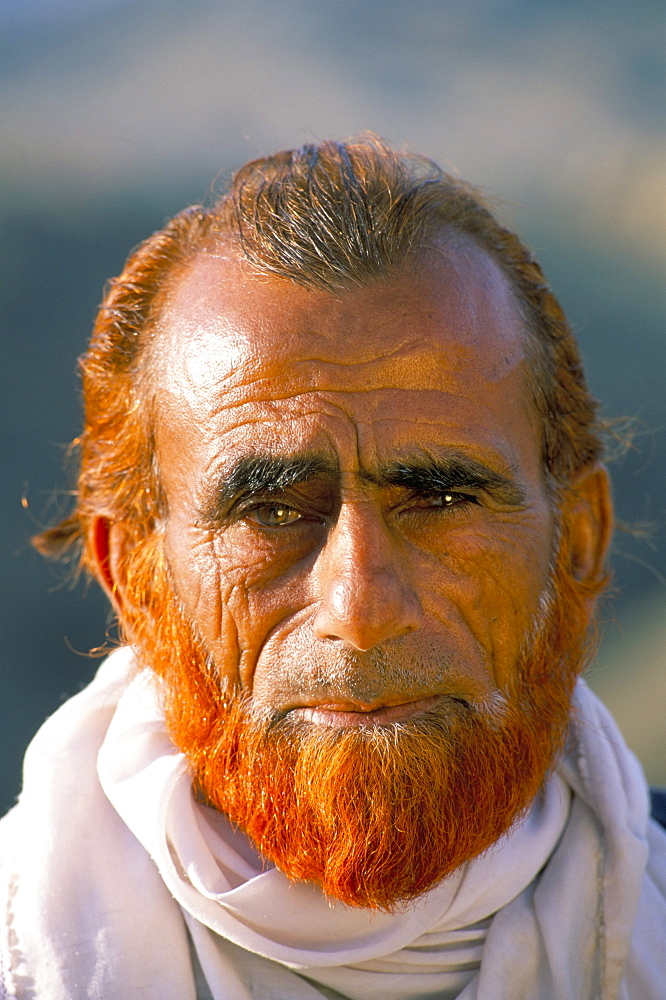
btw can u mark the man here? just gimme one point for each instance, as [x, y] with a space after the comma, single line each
[341, 480]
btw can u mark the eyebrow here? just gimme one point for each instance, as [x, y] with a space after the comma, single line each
[424, 475]
[254, 475]
[431, 475]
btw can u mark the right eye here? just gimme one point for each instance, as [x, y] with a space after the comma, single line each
[273, 515]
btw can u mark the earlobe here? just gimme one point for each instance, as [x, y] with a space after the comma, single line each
[589, 524]
[107, 544]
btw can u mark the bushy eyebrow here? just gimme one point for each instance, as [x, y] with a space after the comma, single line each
[427, 476]
[254, 475]
[257, 475]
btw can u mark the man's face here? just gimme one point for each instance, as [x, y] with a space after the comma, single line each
[358, 526]
[367, 631]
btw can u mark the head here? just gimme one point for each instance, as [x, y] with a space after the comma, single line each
[340, 477]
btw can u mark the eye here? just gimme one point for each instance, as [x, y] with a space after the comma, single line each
[442, 501]
[273, 515]
[451, 499]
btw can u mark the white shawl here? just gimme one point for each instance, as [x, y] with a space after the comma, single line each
[113, 877]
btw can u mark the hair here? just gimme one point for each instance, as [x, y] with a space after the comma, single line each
[330, 216]
[375, 815]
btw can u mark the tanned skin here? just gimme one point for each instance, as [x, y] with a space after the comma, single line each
[359, 531]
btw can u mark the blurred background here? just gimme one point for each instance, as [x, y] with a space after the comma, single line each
[114, 114]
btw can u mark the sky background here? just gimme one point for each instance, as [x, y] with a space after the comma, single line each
[114, 114]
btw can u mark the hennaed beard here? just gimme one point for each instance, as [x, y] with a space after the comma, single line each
[376, 816]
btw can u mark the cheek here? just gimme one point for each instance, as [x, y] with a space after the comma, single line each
[491, 579]
[234, 592]
[210, 599]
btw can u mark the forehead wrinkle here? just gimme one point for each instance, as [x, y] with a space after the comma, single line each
[273, 397]
[397, 370]
[407, 374]
[469, 443]
[302, 412]
[246, 353]
[245, 362]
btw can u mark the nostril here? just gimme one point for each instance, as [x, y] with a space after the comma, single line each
[365, 619]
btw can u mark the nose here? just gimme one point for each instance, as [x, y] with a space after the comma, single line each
[364, 597]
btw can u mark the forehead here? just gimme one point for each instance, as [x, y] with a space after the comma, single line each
[441, 340]
[452, 296]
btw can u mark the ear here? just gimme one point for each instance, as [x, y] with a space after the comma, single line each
[108, 544]
[588, 516]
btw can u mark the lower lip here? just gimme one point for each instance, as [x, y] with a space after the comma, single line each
[336, 718]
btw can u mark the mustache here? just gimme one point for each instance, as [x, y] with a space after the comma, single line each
[323, 667]
[401, 670]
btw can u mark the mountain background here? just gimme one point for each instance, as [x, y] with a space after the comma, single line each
[114, 114]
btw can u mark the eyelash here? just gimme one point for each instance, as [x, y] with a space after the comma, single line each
[460, 504]
[245, 514]
[458, 499]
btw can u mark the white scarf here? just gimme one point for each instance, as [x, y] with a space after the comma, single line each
[107, 835]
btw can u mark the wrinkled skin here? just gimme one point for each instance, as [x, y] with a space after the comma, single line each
[363, 601]
[348, 598]
[358, 533]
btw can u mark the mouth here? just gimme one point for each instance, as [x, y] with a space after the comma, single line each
[341, 714]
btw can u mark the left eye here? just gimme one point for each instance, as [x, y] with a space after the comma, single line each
[449, 499]
[442, 501]
[273, 516]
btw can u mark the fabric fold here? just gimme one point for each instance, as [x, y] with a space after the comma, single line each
[113, 872]
[260, 910]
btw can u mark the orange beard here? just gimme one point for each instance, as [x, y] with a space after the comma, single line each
[375, 816]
